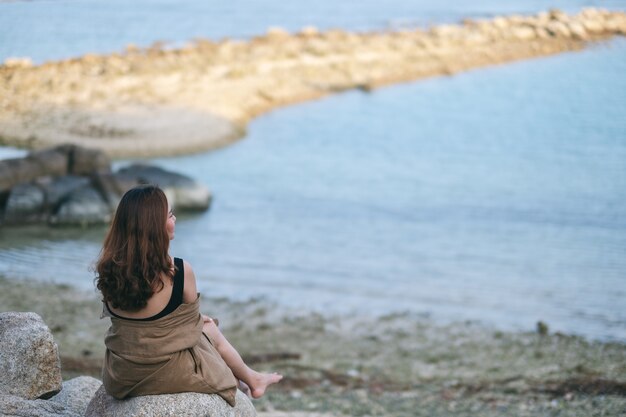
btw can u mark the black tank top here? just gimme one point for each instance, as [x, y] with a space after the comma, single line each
[177, 294]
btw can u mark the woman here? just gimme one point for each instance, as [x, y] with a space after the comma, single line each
[158, 341]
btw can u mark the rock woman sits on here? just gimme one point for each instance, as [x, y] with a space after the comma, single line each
[158, 342]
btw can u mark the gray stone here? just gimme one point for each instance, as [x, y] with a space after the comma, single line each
[182, 192]
[148, 174]
[25, 204]
[77, 393]
[6, 176]
[29, 360]
[110, 188]
[53, 161]
[71, 185]
[13, 406]
[192, 197]
[188, 404]
[83, 206]
[57, 189]
[17, 170]
[84, 161]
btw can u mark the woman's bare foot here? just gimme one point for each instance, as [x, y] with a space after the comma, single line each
[260, 382]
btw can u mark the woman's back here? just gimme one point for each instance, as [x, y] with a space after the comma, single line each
[162, 302]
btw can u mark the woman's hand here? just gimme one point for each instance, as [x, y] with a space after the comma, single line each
[207, 319]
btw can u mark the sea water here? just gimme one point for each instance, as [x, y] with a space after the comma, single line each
[495, 195]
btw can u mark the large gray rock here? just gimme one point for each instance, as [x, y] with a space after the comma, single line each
[83, 206]
[110, 188]
[6, 175]
[29, 360]
[188, 404]
[13, 406]
[148, 174]
[57, 188]
[16, 170]
[53, 161]
[74, 186]
[25, 204]
[84, 161]
[182, 192]
[195, 197]
[77, 393]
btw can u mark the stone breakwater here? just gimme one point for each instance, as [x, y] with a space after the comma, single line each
[156, 101]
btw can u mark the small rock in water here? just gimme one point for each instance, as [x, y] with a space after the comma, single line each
[542, 328]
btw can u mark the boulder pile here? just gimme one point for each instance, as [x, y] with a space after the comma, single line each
[31, 384]
[72, 185]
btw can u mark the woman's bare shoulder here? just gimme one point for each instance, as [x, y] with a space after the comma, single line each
[190, 291]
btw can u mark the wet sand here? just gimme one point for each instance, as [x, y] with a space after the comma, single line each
[395, 365]
[162, 102]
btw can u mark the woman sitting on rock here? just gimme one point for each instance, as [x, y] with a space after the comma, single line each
[158, 342]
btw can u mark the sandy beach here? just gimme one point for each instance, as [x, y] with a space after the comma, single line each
[158, 101]
[395, 365]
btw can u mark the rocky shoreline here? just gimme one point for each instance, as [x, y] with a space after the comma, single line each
[73, 186]
[394, 365]
[160, 101]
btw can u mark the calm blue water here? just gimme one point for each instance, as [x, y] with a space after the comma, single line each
[496, 195]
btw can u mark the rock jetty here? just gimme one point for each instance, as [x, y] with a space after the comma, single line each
[156, 101]
[31, 383]
[71, 185]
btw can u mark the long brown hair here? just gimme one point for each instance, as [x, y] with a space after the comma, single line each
[135, 251]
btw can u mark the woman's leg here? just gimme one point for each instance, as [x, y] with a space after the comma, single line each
[257, 381]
